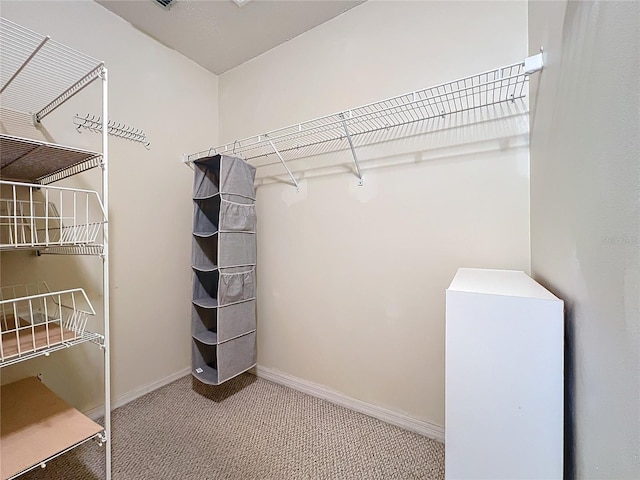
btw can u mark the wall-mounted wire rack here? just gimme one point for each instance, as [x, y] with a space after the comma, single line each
[35, 321]
[46, 218]
[94, 123]
[38, 75]
[340, 130]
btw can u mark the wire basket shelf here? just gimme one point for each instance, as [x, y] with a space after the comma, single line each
[35, 321]
[36, 216]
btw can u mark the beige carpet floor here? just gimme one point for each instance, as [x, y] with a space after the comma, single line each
[248, 428]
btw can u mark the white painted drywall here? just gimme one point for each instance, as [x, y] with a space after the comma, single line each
[175, 102]
[585, 220]
[351, 280]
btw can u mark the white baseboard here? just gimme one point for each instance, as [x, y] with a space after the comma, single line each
[98, 412]
[401, 420]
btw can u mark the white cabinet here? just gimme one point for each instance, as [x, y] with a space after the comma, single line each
[504, 377]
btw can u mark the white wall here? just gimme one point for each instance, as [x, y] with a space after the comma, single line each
[175, 102]
[352, 279]
[585, 220]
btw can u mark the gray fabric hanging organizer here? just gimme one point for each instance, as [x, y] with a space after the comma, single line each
[223, 312]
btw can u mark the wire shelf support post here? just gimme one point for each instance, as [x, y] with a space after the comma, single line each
[105, 272]
[353, 150]
[293, 179]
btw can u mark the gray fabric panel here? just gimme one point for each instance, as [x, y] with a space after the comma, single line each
[236, 248]
[206, 177]
[205, 284]
[238, 198]
[237, 177]
[236, 356]
[203, 356]
[236, 287]
[235, 320]
[204, 252]
[206, 215]
[227, 322]
[203, 319]
[237, 217]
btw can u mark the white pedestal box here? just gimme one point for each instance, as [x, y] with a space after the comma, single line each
[504, 378]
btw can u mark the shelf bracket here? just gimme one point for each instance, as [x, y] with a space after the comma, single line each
[533, 64]
[25, 63]
[100, 438]
[353, 150]
[293, 179]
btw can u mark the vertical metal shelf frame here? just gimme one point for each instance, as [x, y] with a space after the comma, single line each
[105, 274]
[38, 75]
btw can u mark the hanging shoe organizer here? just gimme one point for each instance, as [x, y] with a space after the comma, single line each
[223, 318]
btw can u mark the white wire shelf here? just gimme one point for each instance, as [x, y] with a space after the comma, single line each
[339, 131]
[85, 337]
[94, 250]
[35, 321]
[38, 74]
[26, 160]
[36, 216]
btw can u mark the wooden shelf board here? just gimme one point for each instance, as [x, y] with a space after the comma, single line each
[36, 424]
[39, 335]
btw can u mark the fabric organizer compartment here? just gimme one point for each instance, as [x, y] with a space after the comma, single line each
[223, 318]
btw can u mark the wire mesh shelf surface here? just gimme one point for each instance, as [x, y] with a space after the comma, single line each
[329, 133]
[36, 216]
[38, 74]
[35, 321]
[27, 160]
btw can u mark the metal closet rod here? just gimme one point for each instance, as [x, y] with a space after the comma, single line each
[492, 87]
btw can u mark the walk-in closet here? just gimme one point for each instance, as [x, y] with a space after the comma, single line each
[347, 239]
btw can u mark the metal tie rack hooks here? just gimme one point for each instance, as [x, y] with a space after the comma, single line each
[93, 123]
[338, 131]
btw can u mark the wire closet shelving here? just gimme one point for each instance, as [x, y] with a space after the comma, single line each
[36, 321]
[38, 75]
[49, 218]
[339, 130]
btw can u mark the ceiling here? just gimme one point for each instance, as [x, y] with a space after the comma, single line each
[219, 34]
